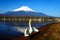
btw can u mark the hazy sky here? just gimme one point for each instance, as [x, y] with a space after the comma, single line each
[49, 7]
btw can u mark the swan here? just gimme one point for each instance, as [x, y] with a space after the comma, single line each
[30, 29]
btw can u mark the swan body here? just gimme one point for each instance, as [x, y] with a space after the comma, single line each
[30, 29]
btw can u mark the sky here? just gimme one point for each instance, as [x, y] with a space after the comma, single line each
[48, 7]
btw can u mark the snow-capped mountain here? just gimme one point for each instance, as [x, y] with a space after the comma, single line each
[23, 8]
[24, 11]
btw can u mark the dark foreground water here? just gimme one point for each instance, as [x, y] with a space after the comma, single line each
[11, 29]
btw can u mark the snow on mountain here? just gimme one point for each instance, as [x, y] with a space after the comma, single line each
[23, 8]
[23, 11]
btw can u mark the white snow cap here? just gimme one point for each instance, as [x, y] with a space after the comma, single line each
[24, 8]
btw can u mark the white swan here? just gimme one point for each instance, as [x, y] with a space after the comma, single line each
[25, 33]
[35, 30]
[30, 29]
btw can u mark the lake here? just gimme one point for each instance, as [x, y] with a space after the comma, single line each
[12, 29]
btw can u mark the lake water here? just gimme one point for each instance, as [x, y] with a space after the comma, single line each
[11, 29]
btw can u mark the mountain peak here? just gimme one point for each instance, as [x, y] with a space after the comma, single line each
[24, 8]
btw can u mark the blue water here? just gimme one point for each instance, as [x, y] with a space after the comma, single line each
[7, 28]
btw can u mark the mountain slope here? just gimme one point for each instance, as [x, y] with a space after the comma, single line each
[23, 11]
